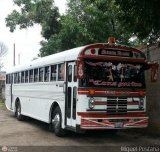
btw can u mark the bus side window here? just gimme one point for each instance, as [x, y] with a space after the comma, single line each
[30, 76]
[60, 72]
[22, 77]
[53, 72]
[46, 74]
[70, 73]
[19, 77]
[41, 73]
[11, 78]
[26, 76]
[15, 77]
[75, 73]
[7, 79]
[35, 75]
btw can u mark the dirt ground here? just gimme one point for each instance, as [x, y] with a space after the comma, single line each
[34, 135]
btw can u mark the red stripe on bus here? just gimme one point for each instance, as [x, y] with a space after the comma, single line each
[103, 114]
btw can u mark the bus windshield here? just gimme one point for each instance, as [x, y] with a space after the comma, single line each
[113, 74]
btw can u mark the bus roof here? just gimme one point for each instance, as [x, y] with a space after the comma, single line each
[68, 55]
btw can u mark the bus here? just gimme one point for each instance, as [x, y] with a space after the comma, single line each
[94, 87]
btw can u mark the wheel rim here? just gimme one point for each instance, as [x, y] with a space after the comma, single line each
[18, 110]
[56, 120]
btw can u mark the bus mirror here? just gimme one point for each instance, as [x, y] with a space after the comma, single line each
[154, 72]
[80, 69]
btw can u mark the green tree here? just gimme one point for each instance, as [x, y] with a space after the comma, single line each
[3, 52]
[141, 17]
[42, 12]
[85, 22]
[99, 18]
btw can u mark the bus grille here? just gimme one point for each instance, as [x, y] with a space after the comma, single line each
[116, 105]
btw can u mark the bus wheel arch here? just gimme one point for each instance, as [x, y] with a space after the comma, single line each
[56, 120]
[53, 107]
[18, 114]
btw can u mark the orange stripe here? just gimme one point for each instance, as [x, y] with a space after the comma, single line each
[117, 92]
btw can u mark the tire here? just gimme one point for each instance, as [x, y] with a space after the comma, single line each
[56, 123]
[18, 114]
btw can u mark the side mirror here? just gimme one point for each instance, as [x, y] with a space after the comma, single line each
[154, 72]
[80, 69]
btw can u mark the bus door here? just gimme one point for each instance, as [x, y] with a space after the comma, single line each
[71, 95]
[11, 93]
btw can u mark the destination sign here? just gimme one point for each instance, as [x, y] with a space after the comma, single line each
[119, 53]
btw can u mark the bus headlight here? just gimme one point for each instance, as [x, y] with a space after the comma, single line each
[141, 103]
[91, 103]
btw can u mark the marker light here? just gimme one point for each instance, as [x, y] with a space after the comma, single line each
[91, 91]
[93, 51]
[141, 93]
[111, 40]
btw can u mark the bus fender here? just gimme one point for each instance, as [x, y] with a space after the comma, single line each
[52, 108]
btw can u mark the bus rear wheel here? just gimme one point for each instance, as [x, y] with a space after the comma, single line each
[56, 122]
[18, 114]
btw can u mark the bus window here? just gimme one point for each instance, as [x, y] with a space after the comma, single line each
[75, 73]
[15, 77]
[70, 73]
[22, 77]
[30, 75]
[26, 76]
[11, 78]
[46, 74]
[53, 72]
[35, 75]
[41, 72]
[60, 72]
[69, 102]
[19, 77]
[74, 102]
[7, 79]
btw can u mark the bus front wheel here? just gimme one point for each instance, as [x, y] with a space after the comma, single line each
[57, 121]
[18, 114]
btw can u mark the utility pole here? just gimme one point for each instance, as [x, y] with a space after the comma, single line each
[19, 58]
[14, 54]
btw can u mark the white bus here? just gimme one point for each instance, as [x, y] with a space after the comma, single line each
[99, 86]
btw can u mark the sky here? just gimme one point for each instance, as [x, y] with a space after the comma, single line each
[27, 41]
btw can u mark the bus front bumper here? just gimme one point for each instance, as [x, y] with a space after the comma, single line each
[116, 122]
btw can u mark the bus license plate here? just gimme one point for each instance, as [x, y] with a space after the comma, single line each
[118, 124]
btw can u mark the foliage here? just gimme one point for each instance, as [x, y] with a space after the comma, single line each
[3, 52]
[141, 17]
[85, 22]
[42, 12]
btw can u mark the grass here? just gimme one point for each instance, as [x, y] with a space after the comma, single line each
[2, 103]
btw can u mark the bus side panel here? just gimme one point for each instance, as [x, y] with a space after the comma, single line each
[36, 98]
